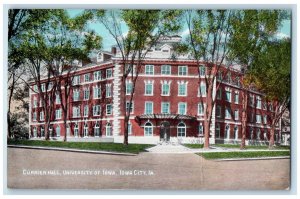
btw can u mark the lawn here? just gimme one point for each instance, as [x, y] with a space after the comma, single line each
[243, 154]
[96, 146]
[250, 146]
[194, 146]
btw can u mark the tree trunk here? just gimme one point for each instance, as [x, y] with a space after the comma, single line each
[244, 119]
[126, 130]
[272, 133]
[207, 116]
[12, 87]
[65, 125]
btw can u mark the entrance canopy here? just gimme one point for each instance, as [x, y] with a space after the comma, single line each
[161, 116]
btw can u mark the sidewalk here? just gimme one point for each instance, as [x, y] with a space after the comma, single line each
[177, 148]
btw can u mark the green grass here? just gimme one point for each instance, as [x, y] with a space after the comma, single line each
[113, 147]
[194, 146]
[250, 147]
[242, 154]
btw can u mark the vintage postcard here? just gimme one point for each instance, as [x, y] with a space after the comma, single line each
[151, 99]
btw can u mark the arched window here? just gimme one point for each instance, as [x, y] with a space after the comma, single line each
[51, 131]
[108, 130]
[181, 129]
[236, 132]
[218, 130]
[258, 134]
[227, 132]
[42, 132]
[57, 130]
[68, 130]
[86, 130]
[96, 130]
[129, 128]
[34, 132]
[201, 129]
[251, 133]
[148, 129]
[76, 129]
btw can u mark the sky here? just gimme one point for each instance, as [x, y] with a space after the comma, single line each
[108, 41]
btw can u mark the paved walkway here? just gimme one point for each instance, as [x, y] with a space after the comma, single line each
[177, 148]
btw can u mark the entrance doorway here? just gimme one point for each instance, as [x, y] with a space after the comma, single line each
[165, 131]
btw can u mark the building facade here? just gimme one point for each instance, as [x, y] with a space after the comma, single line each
[168, 103]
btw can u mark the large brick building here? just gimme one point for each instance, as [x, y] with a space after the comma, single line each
[168, 103]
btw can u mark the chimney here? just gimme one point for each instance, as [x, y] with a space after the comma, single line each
[113, 50]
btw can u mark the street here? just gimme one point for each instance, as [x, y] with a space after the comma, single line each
[42, 169]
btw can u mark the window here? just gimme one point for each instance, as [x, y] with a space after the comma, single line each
[258, 119]
[87, 77]
[265, 119]
[166, 70]
[97, 75]
[35, 88]
[201, 109]
[181, 129]
[76, 95]
[236, 114]
[129, 108]
[236, 132]
[258, 102]
[41, 102]
[76, 130]
[220, 76]
[165, 107]
[236, 97]
[76, 111]
[149, 70]
[202, 70]
[149, 88]
[148, 129]
[108, 130]
[96, 130]
[42, 132]
[200, 129]
[227, 132]
[34, 102]
[228, 78]
[96, 110]
[34, 116]
[202, 89]
[165, 89]
[108, 90]
[108, 109]
[237, 79]
[228, 95]
[129, 127]
[182, 89]
[271, 107]
[251, 100]
[85, 130]
[96, 92]
[219, 94]
[34, 132]
[57, 130]
[219, 111]
[182, 108]
[58, 114]
[50, 86]
[42, 116]
[128, 88]
[43, 87]
[86, 93]
[258, 132]
[182, 70]
[148, 107]
[86, 111]
[218, 131]
[227, 113]
[57, 99]
[76, 80]
[251, 133]
[264, 105]
[108, 73]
